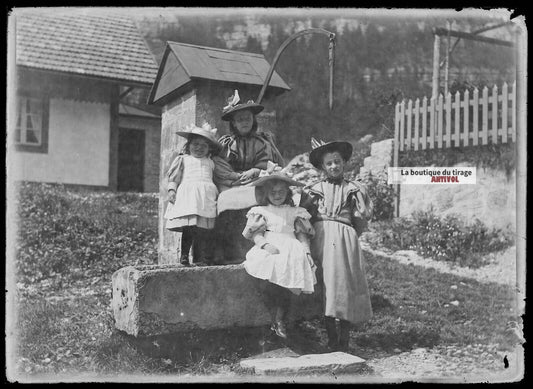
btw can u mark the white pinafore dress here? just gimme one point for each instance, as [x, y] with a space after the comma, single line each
[292, 268]
[196, 195]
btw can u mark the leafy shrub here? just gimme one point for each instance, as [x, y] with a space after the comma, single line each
[381, 193]
[441, 238]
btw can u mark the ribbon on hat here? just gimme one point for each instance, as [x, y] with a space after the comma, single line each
[206, 127]
[316, 143]
[270, 169]
[232, 101]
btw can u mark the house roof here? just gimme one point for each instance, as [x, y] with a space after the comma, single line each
[183, 63]
[126, 109]
[82, 42]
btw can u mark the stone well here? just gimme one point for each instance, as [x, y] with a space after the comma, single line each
[162, 299]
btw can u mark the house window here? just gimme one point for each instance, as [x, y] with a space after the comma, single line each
[31, 131]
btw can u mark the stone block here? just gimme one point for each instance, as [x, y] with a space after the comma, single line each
[383, 148]
[304, 364]
[162, 299]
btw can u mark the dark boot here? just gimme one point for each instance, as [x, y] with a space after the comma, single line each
[331, 329]
[200, 254]
[186, 243]
[344, 335]
[278, 326]
[184, 260]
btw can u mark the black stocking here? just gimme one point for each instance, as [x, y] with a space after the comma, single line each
[187, 237]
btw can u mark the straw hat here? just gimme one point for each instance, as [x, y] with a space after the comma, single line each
[320, 148]
[235, 105]
[274, 172]
[205, 132]
[277, 176]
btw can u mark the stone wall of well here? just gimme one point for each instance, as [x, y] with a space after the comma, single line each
[175, 115]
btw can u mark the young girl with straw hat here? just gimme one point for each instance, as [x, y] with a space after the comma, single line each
[281, 254]
[338, 206]
[192, 194]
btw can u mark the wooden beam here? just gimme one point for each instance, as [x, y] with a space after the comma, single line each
[473, 37]
[521, 159]
[125, 93]
[436, 59]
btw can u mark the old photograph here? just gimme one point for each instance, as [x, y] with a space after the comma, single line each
[265, 195]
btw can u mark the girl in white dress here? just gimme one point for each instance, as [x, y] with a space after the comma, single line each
[192, 195]
[281, 254]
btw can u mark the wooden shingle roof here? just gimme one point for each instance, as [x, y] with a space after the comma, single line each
[102, 45]
[183, 63]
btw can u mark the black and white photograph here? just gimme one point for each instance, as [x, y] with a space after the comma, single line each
[265, 195]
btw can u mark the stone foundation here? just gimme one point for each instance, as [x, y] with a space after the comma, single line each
[492, 200]
[162, 299]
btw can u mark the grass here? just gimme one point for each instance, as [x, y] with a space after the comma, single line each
[65, 325]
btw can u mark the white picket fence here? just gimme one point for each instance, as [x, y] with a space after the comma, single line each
[455, 121]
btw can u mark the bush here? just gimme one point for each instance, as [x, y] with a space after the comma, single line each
[381, 193]
[443, 239]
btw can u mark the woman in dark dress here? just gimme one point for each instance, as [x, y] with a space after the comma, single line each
[245, 153]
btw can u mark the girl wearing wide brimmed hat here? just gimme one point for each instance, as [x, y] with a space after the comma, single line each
[245, 153]
[281, 254]
[192, 194]
[339, 208]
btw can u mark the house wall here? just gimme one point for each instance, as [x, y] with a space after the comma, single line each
[78, 130]
[78, 146]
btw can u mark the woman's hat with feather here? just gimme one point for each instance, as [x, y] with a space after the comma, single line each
[205, 132]
[234, 105]
[320, 148]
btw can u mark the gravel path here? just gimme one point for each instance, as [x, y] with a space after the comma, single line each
[473, 363]
[501, 266]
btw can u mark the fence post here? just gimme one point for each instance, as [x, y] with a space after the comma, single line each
[505, 112]
[439, 127]
[448, 108]
[466, 106]
[457, 109]
[408, 132]
[485, 118]
[417, 114]
[402, 125]
[432, 123]
[494, 138]
[396, 157]
[424, 122]
[475, 112]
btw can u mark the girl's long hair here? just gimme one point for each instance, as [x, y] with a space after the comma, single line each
[268, 185]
